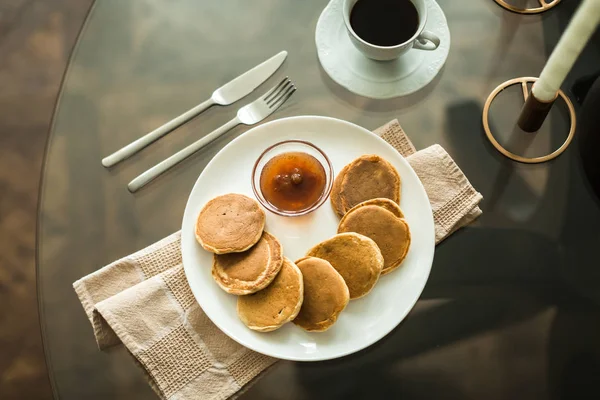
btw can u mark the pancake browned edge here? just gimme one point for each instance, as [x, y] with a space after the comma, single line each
[334, 196]
[391, 233]
[275, 305]
[230, 223]
[325, 295]
[251, 270]
[356, 257]
[382, 202]
[368, 177]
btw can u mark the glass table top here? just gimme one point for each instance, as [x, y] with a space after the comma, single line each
[511, 309]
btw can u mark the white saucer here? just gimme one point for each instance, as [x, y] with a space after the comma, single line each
[378, 79]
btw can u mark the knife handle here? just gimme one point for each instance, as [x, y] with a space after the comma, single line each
[156, 134]
[181, 155]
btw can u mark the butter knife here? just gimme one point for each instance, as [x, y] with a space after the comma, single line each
[225, 95]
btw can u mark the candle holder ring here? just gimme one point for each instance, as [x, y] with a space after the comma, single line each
[544, 6]
[523, 81]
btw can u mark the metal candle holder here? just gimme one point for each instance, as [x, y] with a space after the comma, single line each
[532, 116]
[544, 6]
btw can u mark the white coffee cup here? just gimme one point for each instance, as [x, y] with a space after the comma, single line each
[422, 39]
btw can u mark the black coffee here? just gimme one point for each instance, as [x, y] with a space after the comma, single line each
[384, 22]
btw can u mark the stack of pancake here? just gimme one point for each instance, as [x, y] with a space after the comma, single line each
[373, 239]
[366, 194]
[249, 262]
[373, 236]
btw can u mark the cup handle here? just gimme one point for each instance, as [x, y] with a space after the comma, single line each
[426, 41]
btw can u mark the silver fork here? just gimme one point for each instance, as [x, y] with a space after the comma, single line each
[250, 114]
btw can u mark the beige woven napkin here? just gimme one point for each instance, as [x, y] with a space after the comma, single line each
[144, 301]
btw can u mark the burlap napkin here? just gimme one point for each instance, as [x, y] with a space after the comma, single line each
[144, 301]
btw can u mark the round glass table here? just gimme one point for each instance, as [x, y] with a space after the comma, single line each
[511, 309]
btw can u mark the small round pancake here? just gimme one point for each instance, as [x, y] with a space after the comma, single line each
[334, 195]
[369, 177]
[391, 233]
[388, 204]
[356, 257]
[230, 223]
[325, 295]
[278, 303]
[251, 270]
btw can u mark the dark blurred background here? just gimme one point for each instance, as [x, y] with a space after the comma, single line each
[36, 39]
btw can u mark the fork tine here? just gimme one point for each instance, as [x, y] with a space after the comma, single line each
[274, 89]
[279, 91]
[282, 92]
[279, 102]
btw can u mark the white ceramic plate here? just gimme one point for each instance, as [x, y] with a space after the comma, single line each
[376, 79]
[365, 320]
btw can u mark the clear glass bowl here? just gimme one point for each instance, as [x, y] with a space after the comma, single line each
[285, 147]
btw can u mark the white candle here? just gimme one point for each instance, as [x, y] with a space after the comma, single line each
[581, 27]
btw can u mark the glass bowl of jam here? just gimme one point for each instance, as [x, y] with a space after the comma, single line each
[292, 178]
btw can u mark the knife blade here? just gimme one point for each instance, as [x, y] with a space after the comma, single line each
[227, 94]
[244, 84]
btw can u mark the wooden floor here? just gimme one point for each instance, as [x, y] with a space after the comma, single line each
[36, 38]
